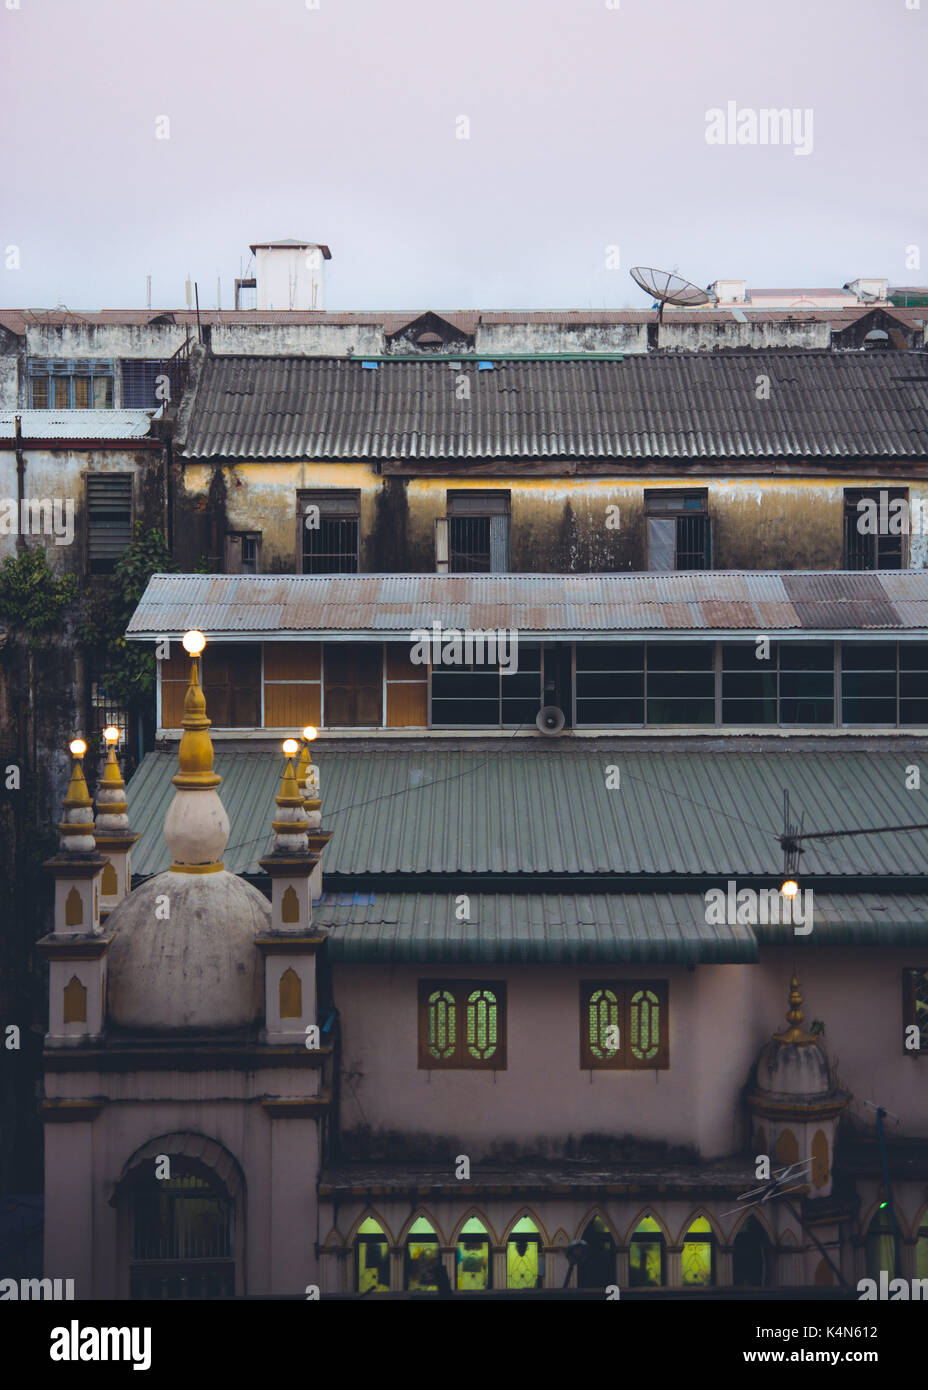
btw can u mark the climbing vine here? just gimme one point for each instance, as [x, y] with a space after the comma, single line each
[32, 597]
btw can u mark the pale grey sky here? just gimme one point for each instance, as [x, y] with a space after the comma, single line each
[587, 130]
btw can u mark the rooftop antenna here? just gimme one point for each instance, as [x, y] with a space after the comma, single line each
[778, 1187]
[668, 288]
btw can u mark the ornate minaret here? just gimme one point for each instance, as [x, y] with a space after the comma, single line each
[289, 948]
[307, 774]
[196, 827]
[114, 838]
[76, 949]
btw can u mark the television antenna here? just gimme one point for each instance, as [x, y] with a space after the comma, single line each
[784, 1182]
[668, 288]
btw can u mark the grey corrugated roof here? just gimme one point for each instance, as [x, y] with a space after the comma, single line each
[394, 605]
[687, 406]
[548, 811]
[76, 424]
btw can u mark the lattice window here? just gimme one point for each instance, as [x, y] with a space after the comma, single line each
[70, 384]
[330, 523]
[462, 1024]
[525, 1261]
[624, 1024]
[869, 543]
[915, 1004]
[698, 1260]
[181, 1237]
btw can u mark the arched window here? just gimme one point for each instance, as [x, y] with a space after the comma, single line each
[752, 1256]
[422, 1256]
[646, 1255]
[699, 1254]
[921, 1249]
[596, 1269]
[525, 1261]
[603, 1038]
[442, 1024]
[181, 1237]
[645, 1024]
[482, 1018]
[474, 1269]
[881, 1248]
[372, 1258]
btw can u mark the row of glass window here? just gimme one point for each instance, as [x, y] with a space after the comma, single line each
[623, 1025]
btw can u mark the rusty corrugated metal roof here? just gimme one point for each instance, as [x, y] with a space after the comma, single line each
[709, 601]
[816, 405]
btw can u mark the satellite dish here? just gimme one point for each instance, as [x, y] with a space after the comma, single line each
[550, 719]
[668, 288]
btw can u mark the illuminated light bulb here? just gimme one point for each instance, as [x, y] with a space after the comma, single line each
[310, 732]
[290, 746]
[78, 747]
[193, 642]
[111, 734]
[790, 888]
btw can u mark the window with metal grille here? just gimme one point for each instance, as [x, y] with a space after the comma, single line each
[181, 1239]
[109, 519]
[462, 1024]
[141, 389]
[478, 532]
[330, 530]
[875, 529]
[679, 534]
[243, 552]
[624, 1024]
[58, 383]
[105, 710]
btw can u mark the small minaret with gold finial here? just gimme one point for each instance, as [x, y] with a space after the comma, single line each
[196, 827]
[113, 836]
[290, 947]
[307, 774]
[76, 948]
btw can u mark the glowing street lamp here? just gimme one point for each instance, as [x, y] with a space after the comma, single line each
[193, 642]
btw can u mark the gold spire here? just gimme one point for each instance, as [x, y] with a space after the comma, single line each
[794, 1034]
[78, 793]
[290, 824]
[195, 754]
[302, 763]
[111, 781]
[76, 828]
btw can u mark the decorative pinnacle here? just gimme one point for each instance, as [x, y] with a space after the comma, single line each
[291, 823]
[794, 1034]
[195, 754]
[76, 829]
[111, 799]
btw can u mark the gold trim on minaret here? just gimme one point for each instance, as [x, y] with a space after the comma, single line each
[289, 795]
[794, 1034]
[195, 754]
[112, 781]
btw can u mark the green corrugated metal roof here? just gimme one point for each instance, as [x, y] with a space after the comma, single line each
[549, 811]
[554, 928]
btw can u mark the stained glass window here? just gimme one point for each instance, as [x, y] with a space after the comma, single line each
[422, 1257]
[605, 1030]
[646, 1255]
[474, 1269]
[624, 1024]
[525, 1262]
[645, 1024]
[442, 1024]
[481, 1023]
[921, 1250]
[372, 1258]
[698, 1264]
[462, 1024]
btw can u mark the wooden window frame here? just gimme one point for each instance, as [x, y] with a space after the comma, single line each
[853, 495]
[623, 1059]
[657, 507]
[909, 1011]
[461, 1061]
[344, 504]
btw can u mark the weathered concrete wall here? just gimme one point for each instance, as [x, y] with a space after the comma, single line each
[569, 524]
[550, 337]
[300, 340]
[60, 475]
[737, 336]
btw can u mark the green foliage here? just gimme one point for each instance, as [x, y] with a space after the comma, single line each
[32, 597]
[130, 669]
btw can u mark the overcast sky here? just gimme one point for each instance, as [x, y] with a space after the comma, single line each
[340, 124]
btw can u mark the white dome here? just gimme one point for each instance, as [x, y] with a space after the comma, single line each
[793, 1071]
[199, 969]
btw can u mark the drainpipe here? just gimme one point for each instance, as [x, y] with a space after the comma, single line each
[20, 481]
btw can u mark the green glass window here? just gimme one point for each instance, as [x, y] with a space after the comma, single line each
[698, 1263]
[372, 1258]
[604, 1025]
[462, 1024]
[524, 1258]
[646, 1255]
[422, 1257]
[645, 1025]
[474, 1266]
[482, 1014]
[442, 1025]
[624, 1024]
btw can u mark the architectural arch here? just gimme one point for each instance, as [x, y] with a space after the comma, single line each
[655, 1216]
[369, 1214]
[700, 1214]
[469, 1215]
[420, 1214]
[527, 1212]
